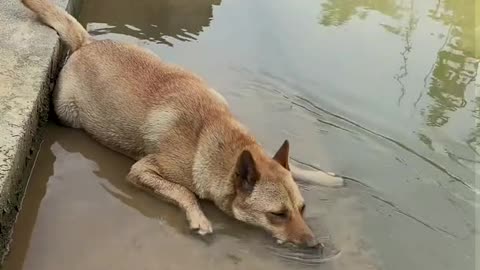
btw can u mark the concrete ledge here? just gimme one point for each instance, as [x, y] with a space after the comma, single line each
[29, 57]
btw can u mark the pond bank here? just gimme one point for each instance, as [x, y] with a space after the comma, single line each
[29, 57]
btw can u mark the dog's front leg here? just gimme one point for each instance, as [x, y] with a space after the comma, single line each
[145, 174]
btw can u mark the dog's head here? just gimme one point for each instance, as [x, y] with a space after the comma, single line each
[267, 196]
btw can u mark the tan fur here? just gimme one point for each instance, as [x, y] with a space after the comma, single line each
[69, 29]
[181, 132]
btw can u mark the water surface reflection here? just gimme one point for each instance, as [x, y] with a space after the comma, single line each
[156, 21]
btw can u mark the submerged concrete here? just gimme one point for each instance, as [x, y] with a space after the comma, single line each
[29, 57]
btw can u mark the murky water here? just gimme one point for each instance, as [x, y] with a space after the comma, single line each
[380, 91]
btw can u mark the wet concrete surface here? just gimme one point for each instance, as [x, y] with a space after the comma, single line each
[28, 57]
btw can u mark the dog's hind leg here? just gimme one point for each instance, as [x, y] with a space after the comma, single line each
[145, 175]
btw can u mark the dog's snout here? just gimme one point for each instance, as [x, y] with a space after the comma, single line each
[309, 240]
[312, 243]
[300, 234]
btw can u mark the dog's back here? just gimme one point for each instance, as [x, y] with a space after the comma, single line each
[120, 90]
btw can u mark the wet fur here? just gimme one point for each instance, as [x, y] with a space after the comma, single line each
[181, 132]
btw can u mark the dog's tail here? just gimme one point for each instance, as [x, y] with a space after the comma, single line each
[317, 177]
[69, 29]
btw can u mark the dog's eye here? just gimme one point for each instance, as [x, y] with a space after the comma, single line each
[282, 214]
[278, 218]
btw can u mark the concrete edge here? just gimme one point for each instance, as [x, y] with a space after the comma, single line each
[29, 64]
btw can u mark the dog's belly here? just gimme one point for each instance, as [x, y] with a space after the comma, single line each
[113, 124]
[95, 92]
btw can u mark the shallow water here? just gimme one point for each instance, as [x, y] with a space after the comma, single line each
[379, 91]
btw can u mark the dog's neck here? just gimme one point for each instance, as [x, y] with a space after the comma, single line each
[216, 159]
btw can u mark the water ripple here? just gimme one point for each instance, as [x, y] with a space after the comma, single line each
[309, 257]
[275, 84]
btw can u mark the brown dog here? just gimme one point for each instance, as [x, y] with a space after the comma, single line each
[180, 131]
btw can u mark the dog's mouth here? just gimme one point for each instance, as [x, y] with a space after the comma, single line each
[281, 241]
[286, 243]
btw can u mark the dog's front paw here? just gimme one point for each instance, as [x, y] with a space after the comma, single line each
[200, 224]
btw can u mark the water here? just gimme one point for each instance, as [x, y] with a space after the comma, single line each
[379, 91]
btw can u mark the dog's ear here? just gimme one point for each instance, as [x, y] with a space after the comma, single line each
[282, 155]
[246, 175]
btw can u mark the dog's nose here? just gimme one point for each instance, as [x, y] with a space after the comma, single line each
[309, 241]
[312, 243]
